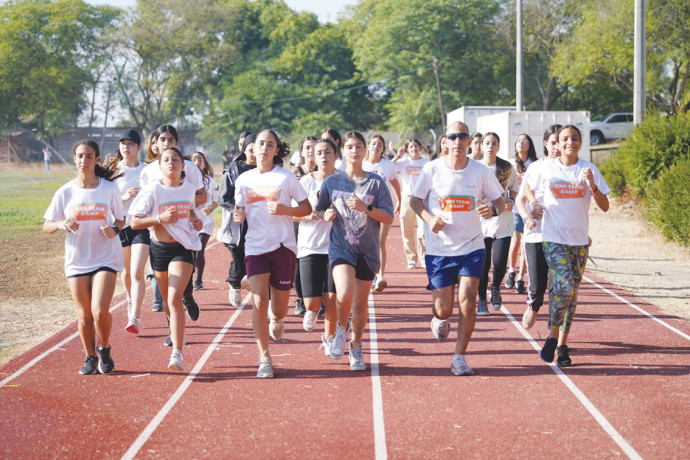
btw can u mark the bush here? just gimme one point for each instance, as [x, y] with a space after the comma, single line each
[666, 202]
[614, 171]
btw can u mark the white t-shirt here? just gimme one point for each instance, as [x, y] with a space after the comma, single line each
[409, 170]
[267, 231]
[502, 225]
[129, 179]
[566, 199]
[386, 169]
[313, 235]
[534, 235]
[156, 198]
[88, 249]
[453, 196]
[152, 173]
[211, 197]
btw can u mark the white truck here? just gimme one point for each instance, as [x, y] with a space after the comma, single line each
[612, 126]
[509, 125]
[469, 114]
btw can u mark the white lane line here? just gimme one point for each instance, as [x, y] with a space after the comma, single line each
[158, 419]
[591, 408]
[379, 426]
[644, 312]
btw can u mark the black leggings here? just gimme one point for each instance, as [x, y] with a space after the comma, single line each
[237, 268]
[200, 260]
[501, 247]
[538, 272]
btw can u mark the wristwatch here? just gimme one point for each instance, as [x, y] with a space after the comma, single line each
[116, 229]
[370, 208]
[495, 210]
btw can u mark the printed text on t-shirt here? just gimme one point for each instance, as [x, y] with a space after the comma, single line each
[413, 170]
[562, 189]
[253, 195]
[182, 208]
[89, 211]
[456, 203]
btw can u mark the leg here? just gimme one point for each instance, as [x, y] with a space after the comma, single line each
[331, 316]
[501, 247]
[467, 300]
[407, 221]
[80, 287]
[200, 259]
[102, 289]
[484, 282]
[443, 302]
[344, 278]
[127, 272]
[421, 241]
[360, 310]
[258, 285]
[178, 277]
[140, 256]
[383, 234]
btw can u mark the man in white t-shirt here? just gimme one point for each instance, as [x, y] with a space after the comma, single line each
[445, 197]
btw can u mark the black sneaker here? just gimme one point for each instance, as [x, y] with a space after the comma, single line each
[299, 307]
[90, 366]
[168, 341]
[510, 280]
[496, 299]
[198, 285]
[157, 307]
[322, 310]
[106, 363]
[520, 287]
[192, 308]
[563, 359]
[549, 350]
[482, 310]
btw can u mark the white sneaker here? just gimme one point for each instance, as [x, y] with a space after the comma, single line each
[133, 325]
[356, 357]
[234, 296]
[309, 320]
[276, 328]
[326, 344]
[379, 283]
[440, 328]
[244, 284]
[412, 264]
[338, 343]
[459, 366]
[265, 369]
[176, 363]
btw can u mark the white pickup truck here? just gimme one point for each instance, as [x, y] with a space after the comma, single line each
[612, 126]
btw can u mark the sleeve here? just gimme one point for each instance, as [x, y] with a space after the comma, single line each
[423, 185]
[56, 210]
[513, 182]
[491, 187]
[324, 197]
[213, 192]
[193, 174]
[144, 177]
[383, 198]
[239, 192]
[297, 192]
[226, 193]
[532, 177]
[116, 206]
[143, 204]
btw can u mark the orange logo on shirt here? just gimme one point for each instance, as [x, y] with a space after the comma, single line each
[89, 211]
[413, 170]
[456, 203]
[253, 195]
[182, 208]
[568, 189]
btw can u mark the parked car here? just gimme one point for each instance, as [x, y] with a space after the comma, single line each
[612, 126]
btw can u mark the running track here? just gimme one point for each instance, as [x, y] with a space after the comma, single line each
[626, 395]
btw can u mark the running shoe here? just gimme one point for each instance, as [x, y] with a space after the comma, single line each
[326, 344]
[265, 369]
[158, 307]
[549, 350]
[338, 343]
[459, 366]
[133, 325]
[379, 283]
[309, 320]
[496, 300]
[300, 309]
[168, 341]
[105, 363]
[276, 327]
[440, 328]
[528, 318]
[244, 283]
[234, 296]
[563, 359]
[482, 309]
[510, 280]
[198, 285]
[90, 366]
[356, 357]
[520, 287]
[411, 264]
[176, 363]
[192, 308]
[322, 310]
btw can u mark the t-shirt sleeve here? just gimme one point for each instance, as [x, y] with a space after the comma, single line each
[116, 205]
[239, 192]
[383, 198]
[297, 192]
[193, 174]
[56, 210]
[532, 176]
[142, 206]
[324, 197]
[491, 188]
[423, 185]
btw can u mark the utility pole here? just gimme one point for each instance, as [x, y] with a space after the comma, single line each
[440, 99]
[105, 120]
[639, 78]
[518, 58]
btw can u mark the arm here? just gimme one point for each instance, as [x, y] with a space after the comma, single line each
[200, 197]
[302, 209]
[599, 198]
[497, 206]
[435, 223]
[69, 225]
[396, 188]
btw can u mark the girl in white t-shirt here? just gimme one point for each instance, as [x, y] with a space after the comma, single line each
[388, 172]
[204, 211]
[264, 197]
[166, 208]
[89, 209]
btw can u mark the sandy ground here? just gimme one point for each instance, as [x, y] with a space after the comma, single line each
[628, 252]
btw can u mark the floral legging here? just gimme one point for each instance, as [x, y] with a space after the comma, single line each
[566, 266]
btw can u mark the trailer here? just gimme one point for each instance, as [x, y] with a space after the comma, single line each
[469, 114]
[509, 125]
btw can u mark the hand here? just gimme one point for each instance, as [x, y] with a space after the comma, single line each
[356, 204]
[530, 223]
[588, 176]
[108, 231]
[485, 211]
[238, 214]
[397, 209]
[196, 223]
[206, 211]
[169, 216]
[436, 224]
[70, 225]
[509, 206]
[314, 216]
[537, 211]
[131, 193]
[329, 215]
[589, 241]
[275, 208]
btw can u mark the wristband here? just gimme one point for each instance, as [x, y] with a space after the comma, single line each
[158, 218]
[116, 229]
[495, 210]
[596, 189]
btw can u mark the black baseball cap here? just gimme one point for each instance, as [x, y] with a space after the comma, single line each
[132, 135]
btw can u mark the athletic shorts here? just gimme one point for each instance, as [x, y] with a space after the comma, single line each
[519, 223]
[163, 253]
[281, 264]
[444, 271]
[362, 270]
[93, 272]
[129, 236]
[316, 275]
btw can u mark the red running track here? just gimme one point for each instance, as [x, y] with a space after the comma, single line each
[626, 395]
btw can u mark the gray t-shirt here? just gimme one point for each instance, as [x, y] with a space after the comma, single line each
[354, 234]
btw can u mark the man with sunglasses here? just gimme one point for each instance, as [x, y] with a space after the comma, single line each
[450, 195]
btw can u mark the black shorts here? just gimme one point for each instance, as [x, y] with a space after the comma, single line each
[164, 253]
[129, 236]
[316, 275]
[93, 272]
[362, 270]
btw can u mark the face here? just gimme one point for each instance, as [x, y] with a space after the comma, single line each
[457, 140]
[490, 146]
[129, 149]
[265, 148]
[414, 149]
[476, 144]
[85, 158]
[551, 145]
[307, 148]
[198, 160]
[354, 150]
[569, 142]
[171, 163]
[327, 135]
[375, 148]
[165, 140]
[522, 144]
[240, 144]
[324, 156]
[249, 152]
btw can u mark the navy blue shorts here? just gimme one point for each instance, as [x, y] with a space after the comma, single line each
[444, 270]
[362, 270]
[519, 223]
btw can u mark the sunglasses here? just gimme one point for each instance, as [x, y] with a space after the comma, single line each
[453, 136]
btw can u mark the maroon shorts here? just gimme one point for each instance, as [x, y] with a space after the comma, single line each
[280, 264]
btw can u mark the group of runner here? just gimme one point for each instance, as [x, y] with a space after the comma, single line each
[327, 221]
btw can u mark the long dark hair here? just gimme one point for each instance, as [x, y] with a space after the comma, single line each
[107, 173]
[283, 147]
[553, 129]
[531, 155]
[207, 172]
